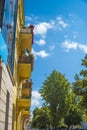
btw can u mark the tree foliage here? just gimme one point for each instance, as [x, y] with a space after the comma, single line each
[74, 115]
[55, 92]
[73, 118]
[80, 84]
[40, 118]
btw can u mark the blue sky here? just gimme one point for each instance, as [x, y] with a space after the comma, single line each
[60, 38]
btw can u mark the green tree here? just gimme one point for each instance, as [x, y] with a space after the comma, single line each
[74, 115]
[73, 118]
[40, 118]
[55, 93]
[80, 85]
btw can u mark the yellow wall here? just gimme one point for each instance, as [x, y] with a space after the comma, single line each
[22, 71]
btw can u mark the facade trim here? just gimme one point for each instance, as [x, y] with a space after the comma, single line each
[10, 75]
[0, 72]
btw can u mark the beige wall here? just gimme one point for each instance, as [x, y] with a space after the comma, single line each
[6, 98]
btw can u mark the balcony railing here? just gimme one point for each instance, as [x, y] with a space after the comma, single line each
[25, 30]
[26, 89]
[27, 84]
[23, 59]
[27, 60]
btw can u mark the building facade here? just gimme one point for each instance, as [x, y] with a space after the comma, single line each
[15, 78]
[7, 91]
[8, 19]
[23, 67]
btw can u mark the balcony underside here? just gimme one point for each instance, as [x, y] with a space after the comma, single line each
[24, 70]
[25, 41]
[25, 113]
[23, 103]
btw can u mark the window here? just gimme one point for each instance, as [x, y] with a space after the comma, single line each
[7, 111]
[2, 2]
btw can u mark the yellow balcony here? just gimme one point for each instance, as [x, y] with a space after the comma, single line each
[23, 103]
[26, 38]
[26, 92]
[24, 70]
[24, 67]
[26, 60]
[25, 113]
[26, 88]
[25, 41]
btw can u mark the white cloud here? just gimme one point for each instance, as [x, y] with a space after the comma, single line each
[41, 42]
[74, 45]
[61, 22]
[42, 28]
[64, 25]
[31, 17]
[36, 97]
[69, 45]
[27, 18]
[83, 48]
[41, 54]
[59, 18]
